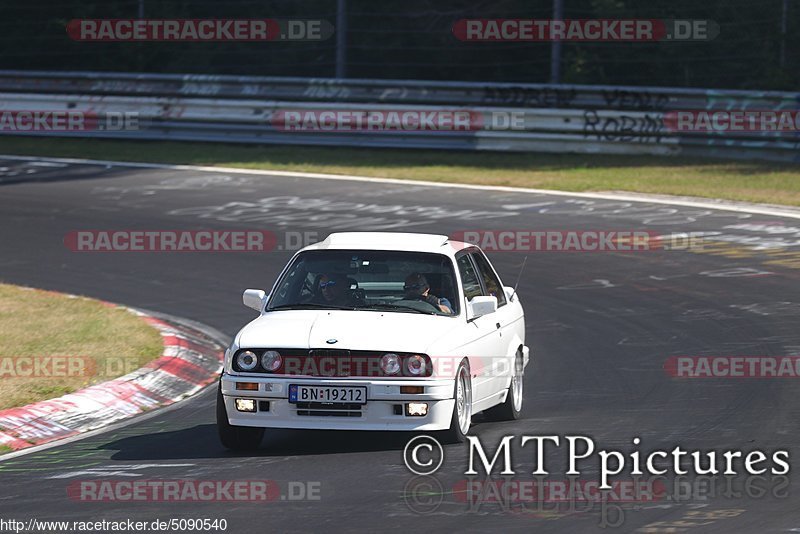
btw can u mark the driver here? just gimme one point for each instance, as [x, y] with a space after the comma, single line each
[334, 289]
[417, 288]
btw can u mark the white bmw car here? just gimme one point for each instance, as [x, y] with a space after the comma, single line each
[376, 331]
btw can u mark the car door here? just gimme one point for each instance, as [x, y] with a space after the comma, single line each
[502, 320]
[482, 335]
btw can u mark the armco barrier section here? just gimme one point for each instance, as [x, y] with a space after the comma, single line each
[552, 118]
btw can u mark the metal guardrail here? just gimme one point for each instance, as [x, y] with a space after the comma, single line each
[562, 118]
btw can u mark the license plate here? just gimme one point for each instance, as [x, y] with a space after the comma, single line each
[327, 394]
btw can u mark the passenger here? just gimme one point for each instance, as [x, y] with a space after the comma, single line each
[417, 288]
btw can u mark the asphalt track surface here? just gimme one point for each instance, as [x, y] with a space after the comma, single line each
[600, 327]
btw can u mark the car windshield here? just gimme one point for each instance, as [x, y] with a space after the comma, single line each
[393, 281]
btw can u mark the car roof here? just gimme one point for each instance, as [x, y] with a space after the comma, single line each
[434, 243]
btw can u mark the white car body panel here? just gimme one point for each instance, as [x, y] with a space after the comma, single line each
[489, 343]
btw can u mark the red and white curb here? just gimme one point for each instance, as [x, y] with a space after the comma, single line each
[191, 360]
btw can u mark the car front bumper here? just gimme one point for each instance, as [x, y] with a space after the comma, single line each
[379, 413]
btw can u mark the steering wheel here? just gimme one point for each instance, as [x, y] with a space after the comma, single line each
[418, 304]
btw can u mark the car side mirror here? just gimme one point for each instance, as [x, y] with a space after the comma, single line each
[254, 298]
[482, 305]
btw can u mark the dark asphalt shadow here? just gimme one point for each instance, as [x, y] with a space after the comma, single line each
[66, 174]
[201, 441]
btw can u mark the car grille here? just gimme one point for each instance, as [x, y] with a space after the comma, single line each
[329, 353]
[333, 363]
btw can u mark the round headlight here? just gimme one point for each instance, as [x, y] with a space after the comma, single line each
[416, 365]
[390, 364]
[271, 360]
[247, 360]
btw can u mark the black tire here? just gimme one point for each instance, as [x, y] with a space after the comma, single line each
[508, 410]
[455, 434]
[235, 438]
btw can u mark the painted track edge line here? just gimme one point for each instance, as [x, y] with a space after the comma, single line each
[740, 207]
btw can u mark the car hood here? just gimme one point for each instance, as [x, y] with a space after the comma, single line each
[353, 330]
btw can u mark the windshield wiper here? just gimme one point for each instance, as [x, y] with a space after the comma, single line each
[309, 305]
[398, 307]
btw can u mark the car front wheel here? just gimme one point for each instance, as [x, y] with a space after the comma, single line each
[236, 438]
[462, 411]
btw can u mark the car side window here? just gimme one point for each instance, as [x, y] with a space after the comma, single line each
[472, 285]
[490, 280]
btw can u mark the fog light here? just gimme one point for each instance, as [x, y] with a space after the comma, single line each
[246, 405]
[418, 409]
[411, 390]
[247, 386]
